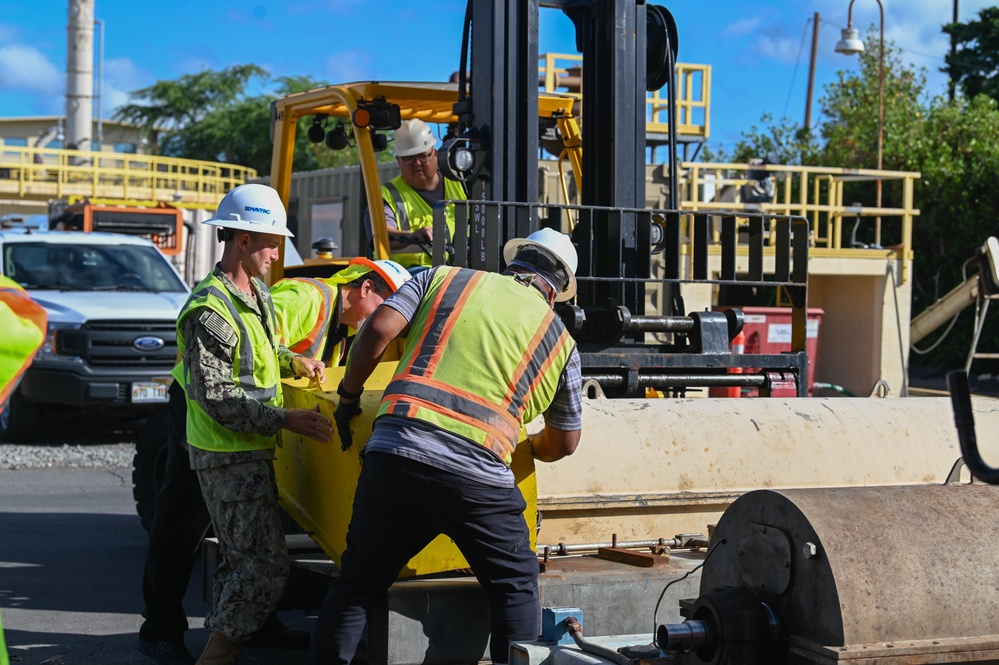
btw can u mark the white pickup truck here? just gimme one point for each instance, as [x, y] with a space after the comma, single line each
[112, 302]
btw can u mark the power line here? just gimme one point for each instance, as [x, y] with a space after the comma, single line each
[794, 75]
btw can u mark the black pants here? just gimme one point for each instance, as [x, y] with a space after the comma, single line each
[399, 507]
[179, 526]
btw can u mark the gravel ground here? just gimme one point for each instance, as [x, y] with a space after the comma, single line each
[71, 456]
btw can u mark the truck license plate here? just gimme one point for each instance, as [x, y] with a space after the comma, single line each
[145, 393]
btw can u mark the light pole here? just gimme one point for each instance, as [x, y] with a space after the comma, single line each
[851, 44]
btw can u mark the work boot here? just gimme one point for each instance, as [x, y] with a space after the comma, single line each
[220, 650]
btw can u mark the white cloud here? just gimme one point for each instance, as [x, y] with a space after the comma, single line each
[741, 27]
[126, 73]
[27, 69]
[778, 48]
[348, 66]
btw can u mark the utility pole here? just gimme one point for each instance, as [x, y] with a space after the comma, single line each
[953, 53]
[811, 71]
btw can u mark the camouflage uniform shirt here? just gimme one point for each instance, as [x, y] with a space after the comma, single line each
[212, 385]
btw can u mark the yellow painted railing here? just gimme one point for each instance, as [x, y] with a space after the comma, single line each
[821, 194]
[41, 174]
[562, 74]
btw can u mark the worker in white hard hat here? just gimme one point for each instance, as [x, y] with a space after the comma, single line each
[484, 353]
[232, 364]
[315, 316]
[409, 197]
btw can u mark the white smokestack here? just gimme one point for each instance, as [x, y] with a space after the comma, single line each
[80, 76]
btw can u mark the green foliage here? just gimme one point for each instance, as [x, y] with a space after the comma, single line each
[167, 107]
[850, 107]
[787, 139]
[974, 66]
[955, 148]
[958, 155]
[209, 116]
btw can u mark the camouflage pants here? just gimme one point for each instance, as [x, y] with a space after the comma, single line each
[250, 579]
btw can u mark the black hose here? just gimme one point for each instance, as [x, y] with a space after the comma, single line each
[964, 418]
[463, 64]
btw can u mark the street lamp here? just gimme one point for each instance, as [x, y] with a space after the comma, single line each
[851, 44]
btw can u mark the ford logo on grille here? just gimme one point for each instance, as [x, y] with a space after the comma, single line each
[149, 344]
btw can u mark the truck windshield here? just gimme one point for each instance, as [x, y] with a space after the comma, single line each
[86, 267]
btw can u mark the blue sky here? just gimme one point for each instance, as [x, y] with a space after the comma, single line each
[758, 50]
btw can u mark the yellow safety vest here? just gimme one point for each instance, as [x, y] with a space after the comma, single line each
[255, 367]
[412, 212]
[23, 322]
[4, 658]
[305, 308]
[465, 370]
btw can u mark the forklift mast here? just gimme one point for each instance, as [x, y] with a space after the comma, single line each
[626, 349]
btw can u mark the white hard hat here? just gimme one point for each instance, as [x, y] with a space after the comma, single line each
[252, 208]
[413, 138]
[554, 243]
[390, 271]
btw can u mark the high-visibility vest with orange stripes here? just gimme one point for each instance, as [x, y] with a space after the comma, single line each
[467, 370]
[23, 322]
[305, 308]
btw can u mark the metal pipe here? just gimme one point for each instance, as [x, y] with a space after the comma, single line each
[563, 548]
[572, 625]
[100, 86]
[658, 324]
[669, 380]
[692, 635]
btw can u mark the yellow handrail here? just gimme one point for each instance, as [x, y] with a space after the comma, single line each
[814, 192]
[41, 174]
[561, 73]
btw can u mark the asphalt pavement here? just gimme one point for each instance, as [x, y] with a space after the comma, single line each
[71, 557]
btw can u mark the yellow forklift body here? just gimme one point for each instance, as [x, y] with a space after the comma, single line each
[316, 482]
[430, 102]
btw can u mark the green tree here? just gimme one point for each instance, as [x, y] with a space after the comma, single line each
[239, 132]
[209, 116]
[850, 109]
[787, 139]
[955, 148]
[957, 154]
[168, 107]
[974, 65]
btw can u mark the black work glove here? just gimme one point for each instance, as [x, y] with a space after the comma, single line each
[343, 414]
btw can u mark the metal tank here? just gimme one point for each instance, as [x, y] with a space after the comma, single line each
[885, 575]
[80, 76]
